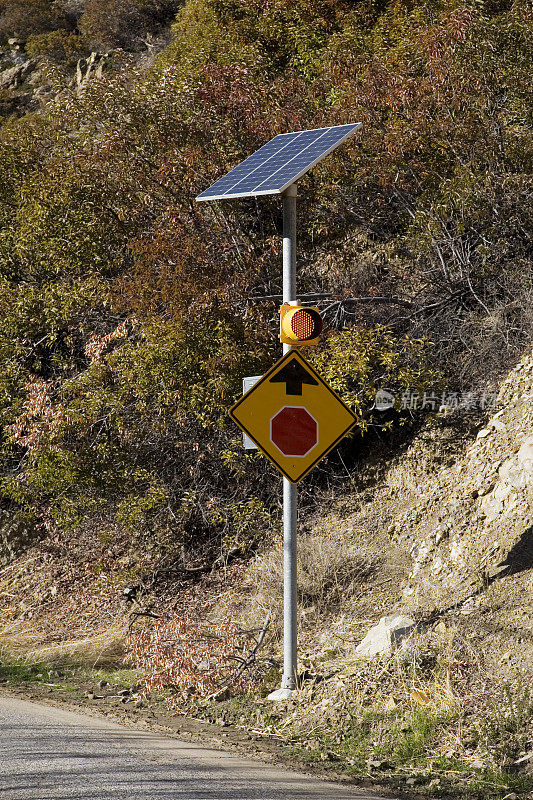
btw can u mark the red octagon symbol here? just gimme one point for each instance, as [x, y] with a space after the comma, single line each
[294, 431]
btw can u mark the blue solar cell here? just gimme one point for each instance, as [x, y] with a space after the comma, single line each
[277, 164]
[244, 168]
[300, 162]
[290, 146]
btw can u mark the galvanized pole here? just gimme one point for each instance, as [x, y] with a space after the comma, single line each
[290, 491]
[289, 248]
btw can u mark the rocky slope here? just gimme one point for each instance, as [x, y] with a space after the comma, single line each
[474, 521]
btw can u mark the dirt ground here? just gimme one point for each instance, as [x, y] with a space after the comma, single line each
[155, 716]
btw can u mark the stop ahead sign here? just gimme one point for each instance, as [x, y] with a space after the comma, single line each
[293, 416]
[294, 431]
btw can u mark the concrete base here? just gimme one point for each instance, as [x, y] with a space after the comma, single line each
[280, 694]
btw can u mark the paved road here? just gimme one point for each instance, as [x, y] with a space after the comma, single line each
[47, 753]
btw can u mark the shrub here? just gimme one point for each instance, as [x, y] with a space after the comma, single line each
[357, 362]
[22, 18]
[124, 23]
[59, 46]
[189, 659]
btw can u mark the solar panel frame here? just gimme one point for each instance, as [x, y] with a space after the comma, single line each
[277, 172]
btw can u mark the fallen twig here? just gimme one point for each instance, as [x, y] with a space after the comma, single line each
[136, 614]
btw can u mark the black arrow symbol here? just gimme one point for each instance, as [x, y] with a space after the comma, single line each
[294, 375]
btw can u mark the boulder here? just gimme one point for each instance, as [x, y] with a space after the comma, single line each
[385, 635]
[525, 455]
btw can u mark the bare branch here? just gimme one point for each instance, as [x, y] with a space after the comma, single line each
[250, 659]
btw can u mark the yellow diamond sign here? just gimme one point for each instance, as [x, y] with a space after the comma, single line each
[293, 416]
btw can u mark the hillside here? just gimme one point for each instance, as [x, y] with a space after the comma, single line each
[129, 315]
[440, 533]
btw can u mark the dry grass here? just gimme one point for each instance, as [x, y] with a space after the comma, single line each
[422, 672]
[418, 680]
[102, 648]
[51, 613]
[329, 571]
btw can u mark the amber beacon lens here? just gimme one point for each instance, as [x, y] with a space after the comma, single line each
[300, 325]
[305, 324]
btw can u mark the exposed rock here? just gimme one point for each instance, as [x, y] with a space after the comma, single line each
[12, 78]
[388, 632]
[498, 424]
[377, 764]
[437, 565]
[471, 516]
[513, 473]
[525, 455]
[441, 532]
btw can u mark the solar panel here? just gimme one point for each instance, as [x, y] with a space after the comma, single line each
[279, 163]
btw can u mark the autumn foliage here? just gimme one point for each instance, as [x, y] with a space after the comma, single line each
[192, 659]
[126, 318]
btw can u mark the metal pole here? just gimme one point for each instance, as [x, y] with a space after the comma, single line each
[290, 517]
[290, 491]
[289, 248]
